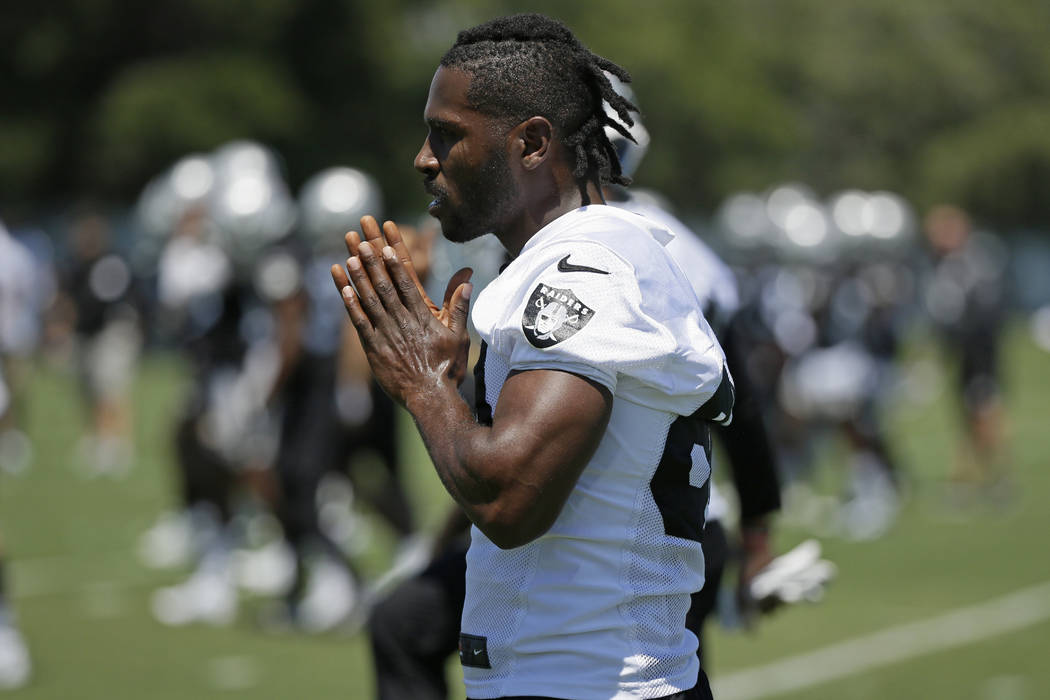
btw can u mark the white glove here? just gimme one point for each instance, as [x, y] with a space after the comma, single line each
[795, 576]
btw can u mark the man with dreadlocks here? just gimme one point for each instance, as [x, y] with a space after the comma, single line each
[585, 467]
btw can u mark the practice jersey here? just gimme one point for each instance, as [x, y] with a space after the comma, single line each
[595, 607]
[712, 280]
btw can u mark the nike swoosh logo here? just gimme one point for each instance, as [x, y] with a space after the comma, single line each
[565, 266]
[476, 651]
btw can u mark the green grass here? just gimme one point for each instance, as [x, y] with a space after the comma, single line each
[82, 597]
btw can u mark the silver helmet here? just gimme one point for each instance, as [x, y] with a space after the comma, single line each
[629, 152]
[332, 202]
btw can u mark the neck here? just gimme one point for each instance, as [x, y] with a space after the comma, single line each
[554, 203]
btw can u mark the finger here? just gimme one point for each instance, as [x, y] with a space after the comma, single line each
[381, 283]
[369, 300]
[373, 234]
[462, 275]
[396, 241]
[352, 239]
[406, 286]
[353, 307]
[459, 308]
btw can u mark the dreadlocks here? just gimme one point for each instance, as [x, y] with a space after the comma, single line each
[527, 65]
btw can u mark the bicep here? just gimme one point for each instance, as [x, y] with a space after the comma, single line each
[550, 422]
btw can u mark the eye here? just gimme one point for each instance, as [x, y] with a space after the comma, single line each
[442, 137]
[444, 133]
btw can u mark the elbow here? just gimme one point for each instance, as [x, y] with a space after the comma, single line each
[505, 539]
[509, 528]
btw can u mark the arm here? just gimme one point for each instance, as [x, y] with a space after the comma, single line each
[748, 444]
[512, 478]
[752, 462]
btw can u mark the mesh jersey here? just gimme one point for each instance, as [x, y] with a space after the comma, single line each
[711, 279]
[595, 608]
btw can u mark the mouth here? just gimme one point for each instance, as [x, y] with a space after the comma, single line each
[438, 198]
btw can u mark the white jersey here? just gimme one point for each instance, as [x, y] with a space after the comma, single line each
[20, 297]
[712, 280]
[595, 607]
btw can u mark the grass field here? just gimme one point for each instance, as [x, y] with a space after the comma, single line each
[82, 597]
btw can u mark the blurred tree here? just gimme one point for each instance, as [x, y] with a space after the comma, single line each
[944, 99]
[157, 111]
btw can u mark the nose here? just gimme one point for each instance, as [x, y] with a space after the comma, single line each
[426, 162]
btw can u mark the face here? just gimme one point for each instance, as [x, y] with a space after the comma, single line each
[947, 229]
[465, 162]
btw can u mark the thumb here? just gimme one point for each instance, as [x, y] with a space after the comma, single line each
[459, 308]
[461, 276]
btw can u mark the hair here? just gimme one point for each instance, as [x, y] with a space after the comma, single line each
[531, 65]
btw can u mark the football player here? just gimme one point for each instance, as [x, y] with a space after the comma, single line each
[586, 469]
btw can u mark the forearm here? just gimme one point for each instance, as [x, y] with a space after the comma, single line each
[446, 424]
[478, 467]
[513, 478]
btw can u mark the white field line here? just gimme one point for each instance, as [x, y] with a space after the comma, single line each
[975, 623]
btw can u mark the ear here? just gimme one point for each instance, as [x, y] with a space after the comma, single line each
[535, 136]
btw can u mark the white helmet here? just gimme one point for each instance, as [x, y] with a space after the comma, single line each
[171, 194]
[629, 152]
[166, 199]
[333, 201]
[250, 203]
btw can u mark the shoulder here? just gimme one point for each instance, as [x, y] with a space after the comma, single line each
[597, 275]
[625, 242]
[597, 250]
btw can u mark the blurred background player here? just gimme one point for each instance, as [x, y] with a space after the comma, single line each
[221, 212]
[98, 284]
[15, 664]
[332, 203]
[826, 296]
[965, 296]
[19, 330]
[331, 414]
[282, 407]
[21, 306]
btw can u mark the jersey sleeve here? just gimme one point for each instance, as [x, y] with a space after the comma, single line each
[633, 326]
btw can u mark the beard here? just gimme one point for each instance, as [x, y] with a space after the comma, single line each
[487, 201]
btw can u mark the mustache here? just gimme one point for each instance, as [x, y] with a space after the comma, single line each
[434, 190]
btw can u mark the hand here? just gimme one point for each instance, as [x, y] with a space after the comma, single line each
[799, 575]
[411, 344]
[756, 555]
[420, 243]
[393, 238]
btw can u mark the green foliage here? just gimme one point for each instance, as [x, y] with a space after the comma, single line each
[1000, 163]
[917, 97]
[159, 110]
[25, 148]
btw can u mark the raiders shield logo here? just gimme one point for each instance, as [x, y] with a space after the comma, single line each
[553, 315]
